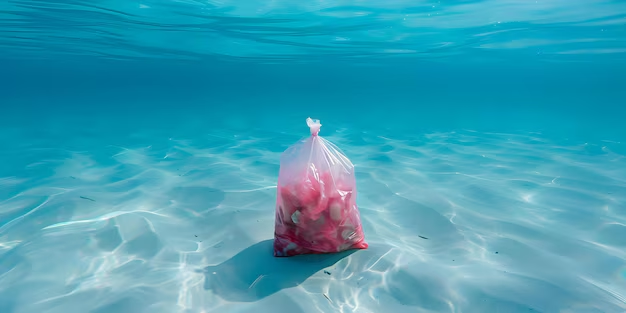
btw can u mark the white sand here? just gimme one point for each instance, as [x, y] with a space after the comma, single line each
[94, 221]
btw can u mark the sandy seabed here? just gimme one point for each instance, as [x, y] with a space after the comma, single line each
[462, 221]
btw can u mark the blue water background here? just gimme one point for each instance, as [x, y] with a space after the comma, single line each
[112, 100]
[536, 65]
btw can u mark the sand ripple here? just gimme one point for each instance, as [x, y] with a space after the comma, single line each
[457, 222]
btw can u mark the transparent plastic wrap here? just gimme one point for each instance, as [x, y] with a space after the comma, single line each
[316, 209]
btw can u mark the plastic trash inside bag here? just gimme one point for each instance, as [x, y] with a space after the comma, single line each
[316, 209]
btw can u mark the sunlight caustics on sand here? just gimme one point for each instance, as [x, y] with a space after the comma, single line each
[457, 222]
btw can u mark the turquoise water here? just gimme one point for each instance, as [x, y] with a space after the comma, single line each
[140, 145]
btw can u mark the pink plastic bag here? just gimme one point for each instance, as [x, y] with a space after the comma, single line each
[316, 209]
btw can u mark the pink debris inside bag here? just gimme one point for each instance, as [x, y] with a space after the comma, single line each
[316, 209]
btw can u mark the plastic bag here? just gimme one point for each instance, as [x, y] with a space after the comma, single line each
[316, 209]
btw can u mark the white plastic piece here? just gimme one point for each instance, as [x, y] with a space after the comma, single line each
[335, 211]
[295, 217]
